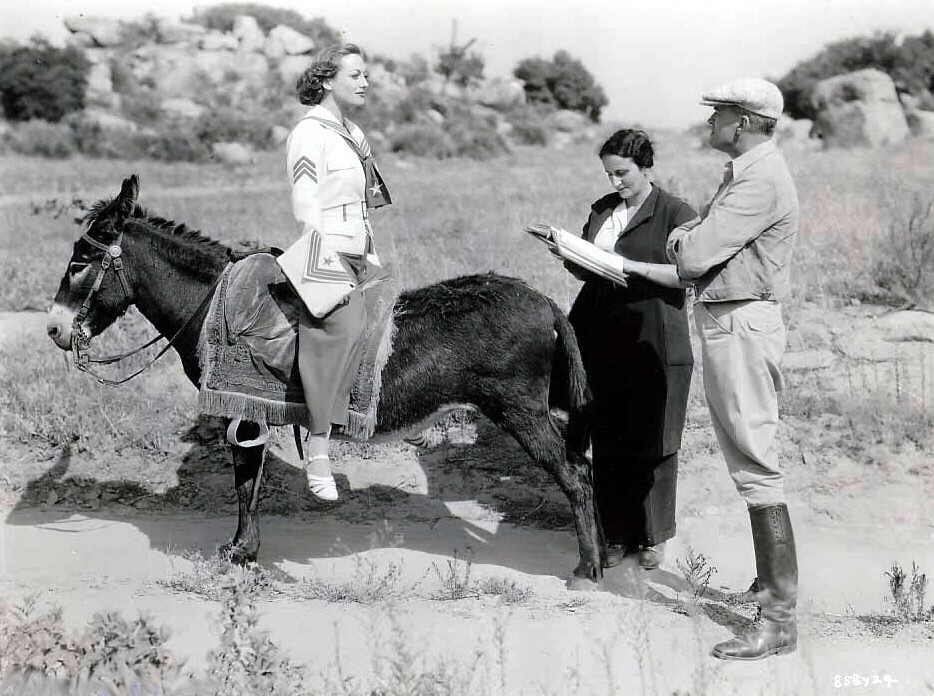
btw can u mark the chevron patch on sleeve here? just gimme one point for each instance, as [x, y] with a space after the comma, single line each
[304, 167]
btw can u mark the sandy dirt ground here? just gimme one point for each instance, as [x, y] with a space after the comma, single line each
[414, 517]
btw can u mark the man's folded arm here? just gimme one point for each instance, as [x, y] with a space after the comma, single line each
[732, 222]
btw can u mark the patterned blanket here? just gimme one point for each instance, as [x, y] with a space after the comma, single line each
[249, 366]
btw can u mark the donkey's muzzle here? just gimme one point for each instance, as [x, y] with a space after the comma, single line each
[58, 326]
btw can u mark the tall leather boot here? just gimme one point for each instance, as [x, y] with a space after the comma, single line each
[777, 569]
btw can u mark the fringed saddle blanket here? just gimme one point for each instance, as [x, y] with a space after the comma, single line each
[249, 366]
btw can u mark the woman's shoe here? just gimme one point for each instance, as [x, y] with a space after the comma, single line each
[649, 558]
[324, 488]
[615, 553]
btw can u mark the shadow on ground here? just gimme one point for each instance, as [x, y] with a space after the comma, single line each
[492, 474]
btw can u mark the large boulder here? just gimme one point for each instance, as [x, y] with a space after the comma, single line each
[100, 87]
[291, 67]
[859, 109]
[248, 33]
[108, 121]
[437, 86]
[101, 31]
[389, 87]
[567, 121]
[500, 93]
[170, 31]
[221, 67]
[796, 133]
[216, 41]
[232, 153]
[921, 123]
[285, 41]
[180, 71]
[182, 108]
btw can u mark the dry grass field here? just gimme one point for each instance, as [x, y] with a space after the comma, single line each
[440, 572]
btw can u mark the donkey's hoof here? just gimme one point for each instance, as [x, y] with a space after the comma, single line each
[579, 584]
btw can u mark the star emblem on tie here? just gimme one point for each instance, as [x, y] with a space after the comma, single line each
[375, 190]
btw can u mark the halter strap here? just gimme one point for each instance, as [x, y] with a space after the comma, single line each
[80, 341]
[111, 257]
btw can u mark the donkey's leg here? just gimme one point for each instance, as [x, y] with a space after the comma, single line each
[538, 434]
[248, 474]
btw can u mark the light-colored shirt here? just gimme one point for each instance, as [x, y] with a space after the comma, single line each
[326, 177]
[615, 225]
[741, 248]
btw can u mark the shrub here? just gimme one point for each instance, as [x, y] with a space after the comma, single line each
[43, 139]
[174, 142]
[221, 18]
[414, 70]
[92, 139]
[905, 252]
[248, 661]
[474, 137]
[140, 32]
[422, 140]
[562, 82]
[231, 125]
[907, 594]
[528, 126]
[141, 105]
[456, 65]
[40, 81]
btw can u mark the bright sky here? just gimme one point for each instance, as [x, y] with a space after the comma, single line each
[652, 57]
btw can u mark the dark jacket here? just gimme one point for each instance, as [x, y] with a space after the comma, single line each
[635, 340]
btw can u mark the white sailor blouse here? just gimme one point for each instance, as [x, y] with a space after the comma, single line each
[329, 178]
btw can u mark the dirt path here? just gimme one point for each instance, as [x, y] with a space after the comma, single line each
[410, 518]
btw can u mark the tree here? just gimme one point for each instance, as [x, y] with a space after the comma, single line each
[562, 82]
[456, 65]
[42, 81]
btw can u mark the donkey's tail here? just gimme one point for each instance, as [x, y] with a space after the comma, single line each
[569, 389]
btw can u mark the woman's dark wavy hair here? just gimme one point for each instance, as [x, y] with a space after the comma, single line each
[324, 66]
[631, 143]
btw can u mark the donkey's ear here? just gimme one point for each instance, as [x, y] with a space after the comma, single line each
[129, 192]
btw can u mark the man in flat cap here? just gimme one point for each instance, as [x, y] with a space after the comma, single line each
[737, 255]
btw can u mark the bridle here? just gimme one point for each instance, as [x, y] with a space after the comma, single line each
[81, 342]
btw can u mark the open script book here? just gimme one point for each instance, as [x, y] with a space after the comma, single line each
[579, 252]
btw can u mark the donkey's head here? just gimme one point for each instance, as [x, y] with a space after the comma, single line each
[95, 289]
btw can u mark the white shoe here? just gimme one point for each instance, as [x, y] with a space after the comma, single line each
[322, 487]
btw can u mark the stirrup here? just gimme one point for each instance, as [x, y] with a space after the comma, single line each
[324, 488]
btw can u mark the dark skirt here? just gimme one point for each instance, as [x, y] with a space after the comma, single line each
[636, 348]
[330, 349]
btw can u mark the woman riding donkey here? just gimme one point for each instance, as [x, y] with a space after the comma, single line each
[333, 181]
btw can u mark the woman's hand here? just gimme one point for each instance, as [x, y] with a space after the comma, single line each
[622, 264]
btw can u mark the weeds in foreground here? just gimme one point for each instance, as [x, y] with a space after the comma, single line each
[247, 661]
[211, 577]
[906, 600]
[905, 257]
[456, 583]
[908, 593]
[697, 572]
[112, 655]
[370, 582]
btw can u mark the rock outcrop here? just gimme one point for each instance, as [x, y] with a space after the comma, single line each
[859, 109]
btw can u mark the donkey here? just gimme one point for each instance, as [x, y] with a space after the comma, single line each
[488, 341]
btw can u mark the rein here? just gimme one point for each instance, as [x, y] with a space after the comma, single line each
[81, 342]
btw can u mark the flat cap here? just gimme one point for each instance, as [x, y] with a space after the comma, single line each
[750, 93]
